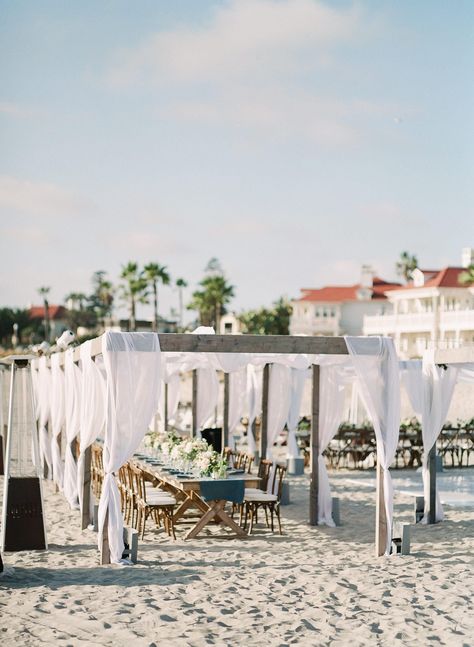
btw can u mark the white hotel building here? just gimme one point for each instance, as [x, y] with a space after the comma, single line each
[432, 310]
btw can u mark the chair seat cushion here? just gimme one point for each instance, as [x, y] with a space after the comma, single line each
[263, 497]
[157, 500]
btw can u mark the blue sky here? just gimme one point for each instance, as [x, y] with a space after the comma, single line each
[293, 139]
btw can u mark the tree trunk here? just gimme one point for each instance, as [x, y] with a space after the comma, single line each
[155, 307]
[180, 308]
[133, 324]
[47, 334]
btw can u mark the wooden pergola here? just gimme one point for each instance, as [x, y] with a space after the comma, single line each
[259, 344]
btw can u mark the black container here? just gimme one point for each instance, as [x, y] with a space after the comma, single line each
[213, 436]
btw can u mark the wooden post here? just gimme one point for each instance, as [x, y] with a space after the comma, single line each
[432, 481]
[314, 456]
[225, 439]
[86, 489]
[105, 548]
[194, 404]
[165, 421]
[380, 516]
[264, 425]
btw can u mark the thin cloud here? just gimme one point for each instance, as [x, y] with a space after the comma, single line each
[38, 198]
[245, 39]
[16, 110]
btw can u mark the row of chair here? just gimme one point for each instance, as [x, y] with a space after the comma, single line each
[144, 495]
[239, 460]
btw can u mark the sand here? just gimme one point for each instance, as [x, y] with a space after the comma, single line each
[312, 586]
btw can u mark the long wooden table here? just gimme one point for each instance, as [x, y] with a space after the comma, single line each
[187, 491]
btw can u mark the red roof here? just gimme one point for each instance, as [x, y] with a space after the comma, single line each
[445, 278]
[54, 312]
[336, 293]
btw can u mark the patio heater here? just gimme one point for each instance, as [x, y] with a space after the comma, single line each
[23, 525]
[3, 417]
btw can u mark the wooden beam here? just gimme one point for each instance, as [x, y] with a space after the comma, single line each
[380, 516]
[188, 343]
[314, 484]
[225, 426]
[194, 404]
[461, 355]
[86, 489]
[264, 426]
[432, 482]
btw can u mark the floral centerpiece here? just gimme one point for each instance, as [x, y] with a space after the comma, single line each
[210, 463]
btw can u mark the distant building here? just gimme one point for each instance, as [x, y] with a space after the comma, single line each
[144, 325]
[229, 325]
[340, 310]
[432, 310]
[57, 318]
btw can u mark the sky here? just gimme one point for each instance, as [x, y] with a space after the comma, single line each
[294, 140]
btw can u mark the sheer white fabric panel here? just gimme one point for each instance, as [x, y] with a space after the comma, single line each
[207, 396]
[43, 408]
[376, 364]
[133, 367]
[254, 401]
[331, 413]
[237, 400]
[92, 410]
[411, 375]
[279, 394]
[298, 380]
[438, 387]
[73, 386]
[57, 417]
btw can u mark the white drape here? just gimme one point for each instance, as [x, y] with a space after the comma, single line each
[237, 400]
[376, 364]
[298, 380]
[73, 385]
[254, 402]
[57, 417]
[92, 411]
[411, 376]
[133, 368]
[279, 394]
[43, 407]
[207, 396]
[331, 413]
[438, 387]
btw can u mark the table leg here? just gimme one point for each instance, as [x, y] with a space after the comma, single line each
[216, 510]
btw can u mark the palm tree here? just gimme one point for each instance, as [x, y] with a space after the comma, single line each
[181, 284]
[102, 298]
[43, 292]
[210, 302]
[405, 266]
[75, 299]
[133, 289]
[467, 277]
[154, 274]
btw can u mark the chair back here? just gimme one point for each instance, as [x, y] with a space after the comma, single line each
[264, 470]
[277, 480]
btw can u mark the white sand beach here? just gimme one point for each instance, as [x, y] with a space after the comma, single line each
[311, 586]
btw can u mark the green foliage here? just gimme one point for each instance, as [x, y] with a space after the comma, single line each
[29, 330]
[268, 321]
[102, 298]
[215, 293]
[155, 274]
[405, 266]
[467, 277]
[133, 289]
